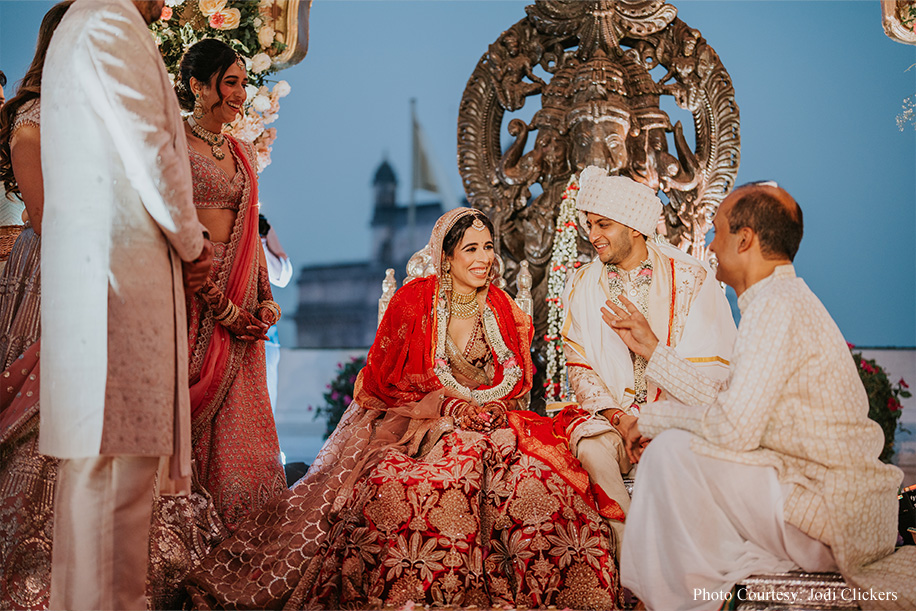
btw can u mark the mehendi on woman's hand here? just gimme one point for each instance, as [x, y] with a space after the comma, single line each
[482, 419]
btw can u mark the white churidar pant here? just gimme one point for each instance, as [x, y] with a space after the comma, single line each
[698, 525]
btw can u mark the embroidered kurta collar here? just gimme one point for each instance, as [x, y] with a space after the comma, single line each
[782, 272]
[631, 276]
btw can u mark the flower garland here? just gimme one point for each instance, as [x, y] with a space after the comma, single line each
[562, 260]
[244, 26]
[512, 371]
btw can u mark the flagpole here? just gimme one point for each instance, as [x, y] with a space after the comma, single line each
[412, 207]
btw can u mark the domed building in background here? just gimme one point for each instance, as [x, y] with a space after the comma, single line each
[338, 303]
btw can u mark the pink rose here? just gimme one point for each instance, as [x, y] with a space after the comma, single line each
[166, 13]
[216, 20]
[226, 19]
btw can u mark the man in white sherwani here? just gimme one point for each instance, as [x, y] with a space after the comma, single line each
[677, 293]
[778, 471]
[121, 238]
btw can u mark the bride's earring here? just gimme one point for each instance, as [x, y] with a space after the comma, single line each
[446, 276]
[198, 108]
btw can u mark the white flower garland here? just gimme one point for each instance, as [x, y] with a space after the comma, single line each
[563, 259]
[512, 372]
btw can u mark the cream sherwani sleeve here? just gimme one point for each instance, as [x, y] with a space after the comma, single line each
[141, 115]
[737, 418]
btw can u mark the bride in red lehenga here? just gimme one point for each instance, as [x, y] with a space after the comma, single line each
[235, 447]
[434, 488]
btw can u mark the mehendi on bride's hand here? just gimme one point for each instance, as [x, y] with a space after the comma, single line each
[473, 417]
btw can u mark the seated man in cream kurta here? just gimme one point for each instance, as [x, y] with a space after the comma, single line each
[780, 470]
[677, 293]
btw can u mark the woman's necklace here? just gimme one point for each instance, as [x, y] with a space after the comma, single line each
[512, 371]
[214, 140]
[464, 305]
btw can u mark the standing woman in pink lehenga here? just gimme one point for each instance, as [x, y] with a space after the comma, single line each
[26, 477]
[235, 446]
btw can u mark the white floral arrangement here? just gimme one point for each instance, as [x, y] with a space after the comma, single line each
[245, 26]
[563, 259]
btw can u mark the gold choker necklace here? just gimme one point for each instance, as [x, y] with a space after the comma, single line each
[464, 305]
[214, 140]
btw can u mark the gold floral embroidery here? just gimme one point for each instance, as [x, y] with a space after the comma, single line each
[450, 582]
[389, 509]
[453, 517]
[417, 555]
[501, 529]
[424, 489]
[408, 587]
[571, 543]
[540, 543]
[582, 590]
[499, 586]
[511, 551]
[533, 505]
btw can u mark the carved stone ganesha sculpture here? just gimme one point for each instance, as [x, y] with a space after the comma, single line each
[591, 65]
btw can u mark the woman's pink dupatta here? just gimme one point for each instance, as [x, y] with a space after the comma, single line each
[214, 365]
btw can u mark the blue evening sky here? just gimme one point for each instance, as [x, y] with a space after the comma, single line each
[818, 84]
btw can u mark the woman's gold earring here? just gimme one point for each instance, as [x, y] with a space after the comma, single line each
[446, 277]
[198, 107]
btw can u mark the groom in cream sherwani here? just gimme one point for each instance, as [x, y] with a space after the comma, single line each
[121, 238]
[679, 295]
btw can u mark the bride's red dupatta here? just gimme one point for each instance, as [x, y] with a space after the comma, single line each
[401, 361]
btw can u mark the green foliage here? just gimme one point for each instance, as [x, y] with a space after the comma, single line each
[884, 405]
[340, 393]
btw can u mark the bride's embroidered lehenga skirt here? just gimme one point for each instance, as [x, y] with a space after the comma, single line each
[470, 521]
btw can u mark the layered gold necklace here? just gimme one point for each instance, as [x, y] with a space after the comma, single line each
[213, 139]
[464, 305]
